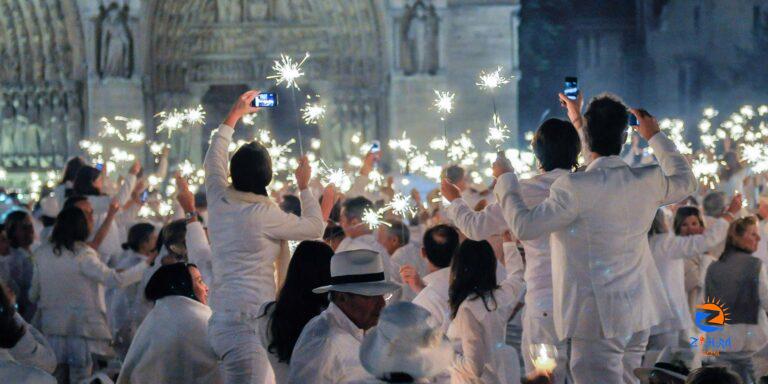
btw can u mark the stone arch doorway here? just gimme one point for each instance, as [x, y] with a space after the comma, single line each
[194, 44]
[286, 120]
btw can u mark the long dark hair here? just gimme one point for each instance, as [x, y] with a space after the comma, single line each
[83, 184]
[71, 226]
[70, 170]
[251, 168]
[171, 280]
[473, 275]
[309, 268]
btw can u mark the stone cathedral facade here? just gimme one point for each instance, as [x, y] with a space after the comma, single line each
[374, 63]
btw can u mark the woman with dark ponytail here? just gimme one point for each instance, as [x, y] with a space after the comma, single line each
[64, 189]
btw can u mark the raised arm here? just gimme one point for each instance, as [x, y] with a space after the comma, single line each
[217, 157]
[287, 226]
[124, 193]
[678, 181]
[574, 115]
[103, 230]
[93, 268]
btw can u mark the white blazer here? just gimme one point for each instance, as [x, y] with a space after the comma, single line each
[12, 371]
[248, 232]
[605, 283]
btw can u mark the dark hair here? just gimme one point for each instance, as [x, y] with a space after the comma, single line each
[201, 199]
[556, 145]
[400, 230]
[606, 118]
[13, 223]
[455, 173]
[71, 226]
[291, 204]
[83, 184]
[138, 234]
[682, 214]
[72, 201]
[310, 267]
[333, 231]
[171, 280]
[251, 168]
[440, 243]
[174, 240]
[473, 275]
[70, 170]
[713, 375]
[659, 224]
[11, 331]
[354, 207]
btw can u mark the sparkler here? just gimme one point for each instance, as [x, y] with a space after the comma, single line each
[401, 205]
[492, 80]
[175, 120]
[374, 218]
[313, 112]
[335, 176]
[444, 105]
[287, 71]
[497, 132]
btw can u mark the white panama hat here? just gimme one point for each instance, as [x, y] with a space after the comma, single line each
[359, 272]
[404, 343]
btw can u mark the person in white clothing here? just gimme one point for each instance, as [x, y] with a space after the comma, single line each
[738, 281]
[21, 235]
[198, 246]
[404, 347]
[170, 345]
[69, 280]
[282, 321]
[25, 357]
[328, 349]
[440, 244]
[249, 234]
[606, 288]
[556, 145]
[480, 310]
[396, 240]
[60, 193]
[669, 250]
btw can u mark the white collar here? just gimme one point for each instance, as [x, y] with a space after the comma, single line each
[337, 316]
[442, 274]
[606, 162]
[247, 197]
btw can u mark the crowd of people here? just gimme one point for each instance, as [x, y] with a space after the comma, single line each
[596, 270]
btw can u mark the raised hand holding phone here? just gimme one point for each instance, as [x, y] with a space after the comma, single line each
[647, 125]
[265, 100]
[242, 106]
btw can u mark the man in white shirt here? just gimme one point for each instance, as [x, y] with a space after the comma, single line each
[396, 240]
[328, 349]
[440, 244]
[557, 146]
[606, 288]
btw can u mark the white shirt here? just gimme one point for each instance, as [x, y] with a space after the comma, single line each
[328, 350]
[669, 252]
[111, 246]
[199, 250]
[605, 283]
[125, 304]
[171, 346]
[478, 333]
[408, 254]
[434, 297]
[248, 232]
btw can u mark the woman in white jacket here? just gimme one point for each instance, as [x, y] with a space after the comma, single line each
[669, 251]
[69, 280]
[249, 234]
[480, 309]
[170, 345]
[67, 181]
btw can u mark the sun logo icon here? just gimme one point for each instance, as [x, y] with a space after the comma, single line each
[712, 315]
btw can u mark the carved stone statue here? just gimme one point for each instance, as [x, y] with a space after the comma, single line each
[114, 44]
[229, 10]
[419, 39]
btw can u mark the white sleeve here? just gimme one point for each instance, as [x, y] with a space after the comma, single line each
[100, 204]
[92, 267]
[33, 349]
[678, 180]
[469, 365]
[513, 285]
[215, 163]
[124, 194]
[556, 212]
[199, 249]
[358, 186]
[683, 247]
[477, 225]
[287, 226]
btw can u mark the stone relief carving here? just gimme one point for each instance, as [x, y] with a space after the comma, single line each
[419, 39]
[114, 49]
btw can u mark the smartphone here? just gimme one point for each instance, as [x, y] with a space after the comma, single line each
[571, 89]
[265, 100]
[145, 196]
[633, 120]
[100, 166]
[375, 146]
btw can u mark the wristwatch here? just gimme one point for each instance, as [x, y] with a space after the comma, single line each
[190, 216]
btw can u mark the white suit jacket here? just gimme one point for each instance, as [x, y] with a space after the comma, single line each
[605, 283]
[12, 371]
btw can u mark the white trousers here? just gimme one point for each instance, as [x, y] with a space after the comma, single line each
[541, 330]
[233, 337]
[607, 361]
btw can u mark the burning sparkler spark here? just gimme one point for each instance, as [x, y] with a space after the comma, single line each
[287, 71]
[374, 218]
[312, 113]
[401, 205]
[497, 132]
[444, 103]
[492, 80]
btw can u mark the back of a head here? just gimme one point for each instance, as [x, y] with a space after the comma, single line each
[251, 168]
[355, 207]
[440, 244]
[174, 238]
[713, 375]
[455, 174]
[72, 201]
[606, 126]
[138, 234]
[170, 280]
[473, 272]
[714, 203]
[333, 232]
[556, 145]
[400, 230]
[83, 184]
[71, 226]
[291, 204]
[309, 268]
[70, 170]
